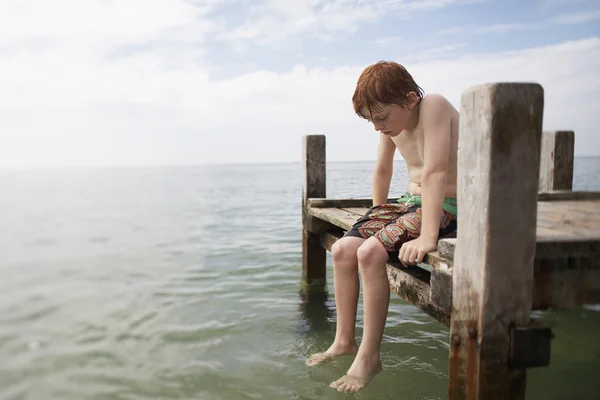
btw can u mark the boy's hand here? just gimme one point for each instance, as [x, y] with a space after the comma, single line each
[413, 252]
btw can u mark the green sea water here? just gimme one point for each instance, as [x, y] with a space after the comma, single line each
[183, 283]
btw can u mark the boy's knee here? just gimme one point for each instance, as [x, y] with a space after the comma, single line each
[343, 250]
[371, 253]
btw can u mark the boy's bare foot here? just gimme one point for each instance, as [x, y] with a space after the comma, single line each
[357, 377]
[333, 351]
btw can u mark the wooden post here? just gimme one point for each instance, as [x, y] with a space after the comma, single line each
[556, 162]
[498, 168]
[313, 254]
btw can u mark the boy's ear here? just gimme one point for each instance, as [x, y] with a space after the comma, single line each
[412, 99]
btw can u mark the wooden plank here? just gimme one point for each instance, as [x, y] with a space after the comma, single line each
[567, 222]
[543, 195]
[446, 248]
[343, 203]
[500, 129]
[359, 211]
[556, 160]
[337, 217]
[313, 185]
[561, 195]
[410, 284]
[530, 346]
[563, 228]
[436, 261]
[566, 282]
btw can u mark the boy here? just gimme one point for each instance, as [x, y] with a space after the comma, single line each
[425, 131]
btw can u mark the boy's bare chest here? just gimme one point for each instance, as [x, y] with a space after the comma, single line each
[410, 147]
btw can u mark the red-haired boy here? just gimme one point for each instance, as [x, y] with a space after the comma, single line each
[424, 129]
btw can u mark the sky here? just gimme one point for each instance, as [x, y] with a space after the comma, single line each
[183, 82]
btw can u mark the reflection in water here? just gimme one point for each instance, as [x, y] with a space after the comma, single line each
[316, 312]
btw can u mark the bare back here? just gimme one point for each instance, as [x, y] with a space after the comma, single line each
[411, 145]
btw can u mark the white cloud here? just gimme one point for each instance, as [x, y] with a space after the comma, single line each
[577, 18]
[565, 19]
[557, 3]
[273, 22]
[387, 40]
[67, 104]
[107, 22]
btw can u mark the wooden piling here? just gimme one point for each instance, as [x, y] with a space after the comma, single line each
[556, 161]
[498, 168]
[313, 186]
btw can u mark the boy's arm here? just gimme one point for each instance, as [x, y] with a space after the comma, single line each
[384, 169]
[436, 119]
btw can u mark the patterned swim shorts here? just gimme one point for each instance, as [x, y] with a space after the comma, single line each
[397, 223]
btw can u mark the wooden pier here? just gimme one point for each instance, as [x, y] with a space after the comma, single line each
[525, 241]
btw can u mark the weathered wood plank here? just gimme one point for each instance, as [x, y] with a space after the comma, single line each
[436, 261]
[566, 282]
[313, 185]
[343, 203]
[561, 195]
[336, 216]
[544, 195]
[359, 211]
[410, 284]
[568, 221]
[530, 346]
[556, 160]
[446, 248]
[500, 129]
[564, 228]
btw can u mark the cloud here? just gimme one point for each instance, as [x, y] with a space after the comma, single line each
[273, 22]
[577, 18]
[565, 19]
[129, 83]
[136, 112]
[558, 3]
[387, 40]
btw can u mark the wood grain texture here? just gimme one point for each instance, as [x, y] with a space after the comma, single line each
[344, 203]
[556, 160]
[498, 164]
[568, 195]
[313, 185]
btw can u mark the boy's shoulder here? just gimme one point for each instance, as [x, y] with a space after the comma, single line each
[435, 102]
[435, 106]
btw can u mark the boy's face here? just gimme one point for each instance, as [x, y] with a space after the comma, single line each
[390, 119]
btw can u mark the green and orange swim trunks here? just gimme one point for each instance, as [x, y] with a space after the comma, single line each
[396, 223]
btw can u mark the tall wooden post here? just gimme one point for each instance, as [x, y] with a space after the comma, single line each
[313, 186]
[557, 158]
[498, 168]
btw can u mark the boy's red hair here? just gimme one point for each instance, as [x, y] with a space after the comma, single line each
[384, 82]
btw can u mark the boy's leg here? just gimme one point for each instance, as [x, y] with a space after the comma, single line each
[346, 289]
[372, 257]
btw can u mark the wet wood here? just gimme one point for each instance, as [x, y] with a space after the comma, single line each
[313, 185]
[566, 282]
[500, 130]
[556, 160]
[530, 346]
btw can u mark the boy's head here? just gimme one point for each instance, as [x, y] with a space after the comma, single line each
[385, 94]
